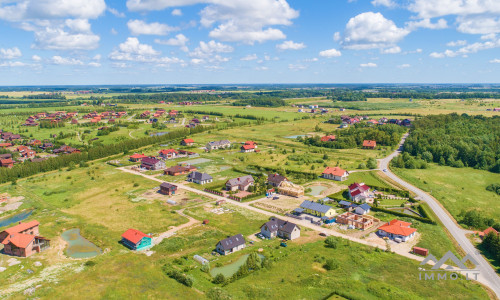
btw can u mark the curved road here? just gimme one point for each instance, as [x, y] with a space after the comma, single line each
[487, 276]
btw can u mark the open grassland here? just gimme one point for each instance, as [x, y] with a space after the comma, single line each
[458, 189]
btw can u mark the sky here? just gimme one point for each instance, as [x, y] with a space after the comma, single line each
[82, 42]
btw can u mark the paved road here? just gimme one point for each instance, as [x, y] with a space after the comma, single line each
[488, 276]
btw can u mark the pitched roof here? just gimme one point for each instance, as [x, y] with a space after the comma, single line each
[315, 206]
[345, 203]
[232, 242]
[358, 187]
[167, 151]
[134, 235]
[328, 138]
[365, 207]
[398, 227]
[276, 178]
[22, 227]
[275, 224]
[6, 161]
[244, 180]
[369, 143]
[199, 176]
[168, 185]
[19, 239]
[219, 143]
[177, 169]
[137, 155]
[188, 141]
[490, 229]
[248, 147]
[150, 160]
[336, 171]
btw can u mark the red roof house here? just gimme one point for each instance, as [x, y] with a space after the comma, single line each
[187, 142]
[23, 239]
[335, 173]
[168, 153]
[484, 233]
[369, 144]
[136, 240]
[7, 163]
[397, 230]
[328, 138]
[359, 192]
[137, 157]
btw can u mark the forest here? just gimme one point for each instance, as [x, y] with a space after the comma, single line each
[457, 141]
[353, 137]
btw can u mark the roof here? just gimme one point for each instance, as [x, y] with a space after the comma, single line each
[177, 169]
[22, 227]
[275, 224]
[167, 151]
[327, 138]
[219, 143]
[199, 176]
[250, 143]
[19, 240]
[346, 203]
[232, 242]
[248, 147]
[336, 171]
[315, 206]
[137, 155]
[369, 143]
[490, 229]
[168, 185]
[275, 178]
[134, 235]
[365, 207]
[150, 160]
[188, 141]
[361, 187]
[244, 180]
[6, 161]
[398, 227]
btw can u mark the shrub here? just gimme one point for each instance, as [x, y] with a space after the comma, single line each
[219, 279]
[331, 264]
[331, 242]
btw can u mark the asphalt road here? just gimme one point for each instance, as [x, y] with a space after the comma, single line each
[487, 276]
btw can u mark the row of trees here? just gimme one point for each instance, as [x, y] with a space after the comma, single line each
[457, 141]
[347, 95]
[491, 244]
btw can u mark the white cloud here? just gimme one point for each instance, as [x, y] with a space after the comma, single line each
[58, 60]
[133, 50]
[479, 24]
[431, 8]
[490, 36]
[138, 27]
[176, 12]
[495, 61]
[207, 50]
[457, 43]
[371, 30]
[235, 21]
[290, 45]
[426, 23]
[314, 59]
[116, 13]
[97, 57]
[78, 25]
[386, 3]
[330, 53]
[180, 40]
[392, 50]
[113, 31]
[337, 36]
[36, 58]
[24, 10]
[297, 67]
[468, 49]
[10, 53]
[94, 64]
[12, 64]
[249, 57]
[404, 66]
[261, 68]
[59, 39]
[368, 65]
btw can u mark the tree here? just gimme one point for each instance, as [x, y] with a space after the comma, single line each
[331, 264]
[331, 242]
[253, 261]
[219, 279]
[372, 163]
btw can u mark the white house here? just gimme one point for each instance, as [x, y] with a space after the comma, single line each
[199, 178]
[360, 192]
[230, 244]
[218, 145]
[279, 228]
[335, 173]
[398, 231]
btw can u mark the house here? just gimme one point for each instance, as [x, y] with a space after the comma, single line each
[187, 142]
[316, 209]
[288, 188]
[28, 153]
[136, 240]
[6, 156]
[484, 233]
[46, 146]
[359, 192]
[328, 138]
[151, 163]
[247, 148]
[275, 179]
[179, 170]
[64, 149]
[368, 144]
[396, 230]
[218, 145]
[240, 183]
[137, 157]
[5, 145]
[199, 178]
[279, 228]
[335, 173]
[357, 221]
[231, 244]
[168, 153]
[345, 204]
[6, 163]
[362, 209]
[23, 239]
[168, 189]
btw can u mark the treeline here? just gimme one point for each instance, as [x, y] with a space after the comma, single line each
[107, 130]
[45, 96]
[491, 244]
[261, 102]
[31, 168]
[49, 124]
[457, 141]
[353, 137]
[347, 95]
[430, 95]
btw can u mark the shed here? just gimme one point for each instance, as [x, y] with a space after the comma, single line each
[200, 259]
[171, 202]
[205, 222]
[420, 251]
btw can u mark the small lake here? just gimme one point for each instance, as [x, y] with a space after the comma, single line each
[16, 218]
[296, 136]
[405, 211]
[79, 247]
[232, 268]
[316, 190]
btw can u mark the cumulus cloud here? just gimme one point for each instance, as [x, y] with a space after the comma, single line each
[58, 60]
[235, 21]
[290, 45]
[116, 13]
[58, 39]
[404, 66]
[426, 23]
[133, 50]
[386, 3]
[392, 50]
[249, 57]
[296, 67]
[368, 65]
[209, 52]
[330, 53]
[12, 64]
[495, 61]
[431, 8]
[138, 27]
[370, 31]
[457, 43]
[468, 49]
[176, 12]
[180, 40]
[478, 24]
[36, 58]
[10, 53]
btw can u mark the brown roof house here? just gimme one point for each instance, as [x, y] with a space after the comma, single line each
[240, 183]
[279, 228]
[179, 170]
[151, 163]
[369, 144]
[275, 179]
[168, 188]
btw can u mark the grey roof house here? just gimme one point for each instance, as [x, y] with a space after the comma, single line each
[218, 145]
[280, 228]
[231, 244]
[199, 178]
[240, 183]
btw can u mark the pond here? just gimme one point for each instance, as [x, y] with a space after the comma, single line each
[316, 190]
[232, 268]
[16, 218]
[405, 211]
[79, 247]
[296, 136]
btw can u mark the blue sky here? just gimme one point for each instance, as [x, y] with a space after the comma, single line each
[241, 41]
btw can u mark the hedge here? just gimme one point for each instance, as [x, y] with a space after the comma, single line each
[424, 220]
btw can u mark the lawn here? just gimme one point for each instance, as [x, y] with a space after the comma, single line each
[458, 189]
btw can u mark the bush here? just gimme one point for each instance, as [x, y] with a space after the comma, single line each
[331, 242]
[218, 294]
[219, 279]
[331, 264]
